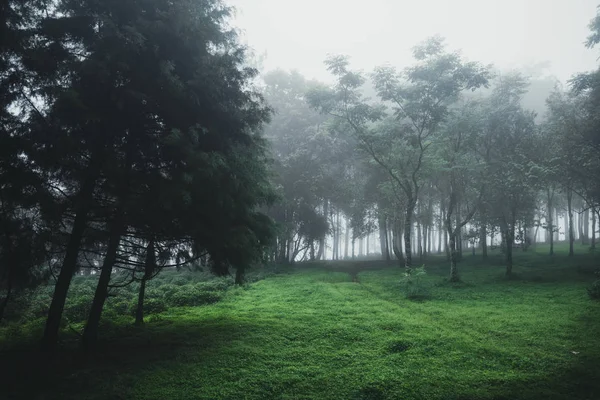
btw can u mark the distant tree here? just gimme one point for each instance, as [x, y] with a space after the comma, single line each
[509, 138]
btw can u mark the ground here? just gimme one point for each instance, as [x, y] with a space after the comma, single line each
[347, 331]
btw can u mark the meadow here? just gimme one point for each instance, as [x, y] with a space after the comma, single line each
[337, 330]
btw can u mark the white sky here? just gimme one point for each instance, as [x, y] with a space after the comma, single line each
[298, 34]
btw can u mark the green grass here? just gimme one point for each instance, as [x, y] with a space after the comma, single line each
[347, 331]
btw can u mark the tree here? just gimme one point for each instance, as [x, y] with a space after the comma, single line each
[117, 137]
[508, 149]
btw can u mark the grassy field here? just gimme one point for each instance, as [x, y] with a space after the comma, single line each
[347, 331]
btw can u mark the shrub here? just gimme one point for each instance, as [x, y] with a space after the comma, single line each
[412, 283]
[192, 296]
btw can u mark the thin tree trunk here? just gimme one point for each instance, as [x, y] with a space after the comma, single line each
[556, 234]
[585, 235]
[440, 229]
[593, 244]
[419, 241]
[149, 267]
[454, 277]
[90, 333]
[347, 239]
[550, 219]
[410, 209]
[483, 240]
[321, 253]
[571, 231]
[425, 236]
[387, 240]
[69, 265]
[397, 241]
[508, 239]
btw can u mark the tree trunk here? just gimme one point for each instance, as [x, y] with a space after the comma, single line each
[508, 239]
[410, 209]
[69, 265]
[321, 254]
[593, 244]
[454, 277]
[397, 241]
[431, 238]
[419, 241]
[139, 311]
[550, 219]
[425, 236]
[483, 240]
[347, 239]
[90, 333]
[353, 241]
[387, 241]
[440, 229]
[571, 231]
[556, 234]
[585, 234]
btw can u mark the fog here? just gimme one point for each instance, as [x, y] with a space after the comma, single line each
[532, 35]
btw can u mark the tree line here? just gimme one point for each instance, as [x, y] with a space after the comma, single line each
[444, 150]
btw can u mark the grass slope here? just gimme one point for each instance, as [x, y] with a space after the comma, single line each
[346, 331]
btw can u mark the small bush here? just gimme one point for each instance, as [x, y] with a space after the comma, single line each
[190, 295]
[413, 285]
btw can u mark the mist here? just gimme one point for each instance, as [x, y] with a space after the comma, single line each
[276, 199]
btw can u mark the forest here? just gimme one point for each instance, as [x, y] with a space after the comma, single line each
[178, 222]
